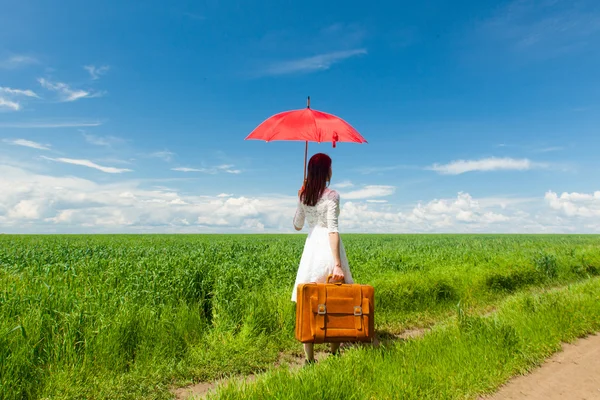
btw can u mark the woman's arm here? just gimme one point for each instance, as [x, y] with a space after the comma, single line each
[334, 242]
[334, 236]
[299, 217]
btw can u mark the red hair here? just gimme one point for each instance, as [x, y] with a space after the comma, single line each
[316, 178]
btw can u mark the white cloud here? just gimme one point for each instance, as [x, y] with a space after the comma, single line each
[377, 201]
[10, 98]
[447, 211]
[541, 28]
[376, 170]
[89, 164]
[228, 168]
[11, 105]
[484, 164]
[549, 149]
[96, 72]
[320, 62]
[460, 214]
[116, 160]
[506, 202]
[49, 124]
[368, 192]
[17, 61]
[18, 92]
[342, 185]
[213, 170]
[27, 143]
[575, 204]
[35, 202]
[185, 169]
[163, 155]
[65, 93]
[106, 141]
[25, 209]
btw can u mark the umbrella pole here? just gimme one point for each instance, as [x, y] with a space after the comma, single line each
[305, 156]
[306, 146]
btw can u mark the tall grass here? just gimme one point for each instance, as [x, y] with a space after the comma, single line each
[468, 356]
[124, 317]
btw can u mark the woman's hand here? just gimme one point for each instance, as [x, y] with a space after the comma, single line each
[338, 273]
[302, 188]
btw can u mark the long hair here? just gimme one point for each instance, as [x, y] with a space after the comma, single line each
[316, 179]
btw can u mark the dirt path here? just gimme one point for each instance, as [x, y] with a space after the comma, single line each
[202, 389]
[572, 374]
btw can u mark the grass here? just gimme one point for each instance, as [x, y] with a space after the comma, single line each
[126, 317]
[467, 356]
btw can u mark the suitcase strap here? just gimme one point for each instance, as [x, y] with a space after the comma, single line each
[358, 314]
[321, 312]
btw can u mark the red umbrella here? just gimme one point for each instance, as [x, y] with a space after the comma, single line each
[306, 125]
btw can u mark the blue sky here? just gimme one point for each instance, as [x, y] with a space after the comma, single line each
[130, 116]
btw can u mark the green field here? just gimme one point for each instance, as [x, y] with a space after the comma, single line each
[123, 317]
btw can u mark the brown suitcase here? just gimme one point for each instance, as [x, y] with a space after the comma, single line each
[334, 312]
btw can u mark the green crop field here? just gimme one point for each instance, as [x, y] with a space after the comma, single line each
[132, 316]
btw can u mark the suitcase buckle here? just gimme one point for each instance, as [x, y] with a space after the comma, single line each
[357, 310]
[321, 309]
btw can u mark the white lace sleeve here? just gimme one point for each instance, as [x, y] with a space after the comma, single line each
[333, 211]
[299, 217]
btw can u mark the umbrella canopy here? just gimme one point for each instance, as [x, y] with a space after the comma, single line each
[306, 125]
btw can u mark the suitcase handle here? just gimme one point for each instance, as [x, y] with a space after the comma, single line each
[336, 282]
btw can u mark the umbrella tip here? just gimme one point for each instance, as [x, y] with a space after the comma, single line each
[308, 102]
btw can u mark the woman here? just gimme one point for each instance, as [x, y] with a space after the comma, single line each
[324, 252]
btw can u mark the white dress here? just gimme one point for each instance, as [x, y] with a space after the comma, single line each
[317, 260]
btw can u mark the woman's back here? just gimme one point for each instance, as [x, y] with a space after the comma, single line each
[323, 214]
